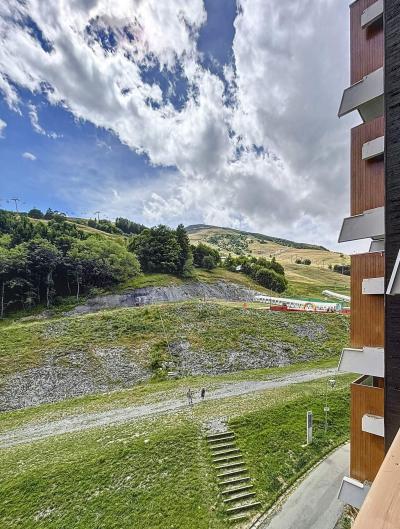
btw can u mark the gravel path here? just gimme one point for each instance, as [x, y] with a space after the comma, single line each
[86, 421]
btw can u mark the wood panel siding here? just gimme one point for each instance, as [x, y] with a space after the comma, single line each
[381, 508]
[367, 311]
[392, 213]
[366, 45]
[367, 176]
[366, 450]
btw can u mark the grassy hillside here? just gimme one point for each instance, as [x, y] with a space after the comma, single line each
[227, 241]
[157, 473]
[153, 335]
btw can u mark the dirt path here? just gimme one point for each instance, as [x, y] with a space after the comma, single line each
[85, 421]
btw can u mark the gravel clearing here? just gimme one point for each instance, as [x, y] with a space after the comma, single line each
[87, 421]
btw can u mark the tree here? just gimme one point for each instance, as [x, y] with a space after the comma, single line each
[42, 260]
[185, 264]
[209, 262]
[35, 213]
[157, 249]
[202, 250]
[99, 262]
[128, 227]
[12, 263]
[270, 279]
[307, 261]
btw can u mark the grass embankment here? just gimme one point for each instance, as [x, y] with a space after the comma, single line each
[309, 281]
[211, 330]
[157, 473]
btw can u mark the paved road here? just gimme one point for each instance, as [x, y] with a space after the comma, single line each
[86, 421]
[314, 504]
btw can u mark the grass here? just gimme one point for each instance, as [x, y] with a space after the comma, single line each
[309, 281]
[273, 441]
[212, 330]
[156, 391]
[156, 473]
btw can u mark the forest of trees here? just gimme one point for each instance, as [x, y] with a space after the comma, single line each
[39, 261]
[269, 274]
[44, 256]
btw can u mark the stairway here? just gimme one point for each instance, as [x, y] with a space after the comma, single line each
[237, 491]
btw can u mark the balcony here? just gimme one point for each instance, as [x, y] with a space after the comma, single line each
[377, 246]
[372, 14]
[366, 96]
[353, 492]
[374, 148]
[367, 361]
[367, 450]
[373, 424]
[381, 508]
[393, 288]
[370, 224]
[373, 286]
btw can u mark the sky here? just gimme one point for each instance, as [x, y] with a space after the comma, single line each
[221, 112]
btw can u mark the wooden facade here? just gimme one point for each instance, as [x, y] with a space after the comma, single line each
[367, 176]
[367, 311]
[367, 451]
[392, 214]
[366, 45]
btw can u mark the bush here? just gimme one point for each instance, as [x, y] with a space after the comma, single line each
[209, 262]
[35, 213]
[203, 250]
[270, 279]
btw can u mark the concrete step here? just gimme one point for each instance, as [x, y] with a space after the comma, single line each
[244, 507]
[240, 497]
[227, 458]
[232, 473]
[229, 437]
[225, 445]
[234, 481]
[230, 465]
[238, 518]
[219, 435]
[226, 452]
[235, 490]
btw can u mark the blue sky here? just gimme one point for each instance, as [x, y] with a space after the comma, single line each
[83, 151]
[203, 111]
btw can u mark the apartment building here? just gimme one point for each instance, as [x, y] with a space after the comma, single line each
[374, 354]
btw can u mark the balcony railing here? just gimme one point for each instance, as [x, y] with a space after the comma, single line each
[370, 224]
[381, 507]
[372, 14]
[366, 96]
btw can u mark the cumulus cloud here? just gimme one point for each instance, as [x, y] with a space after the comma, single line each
[3, 125]
[258, 146]
[29, 156]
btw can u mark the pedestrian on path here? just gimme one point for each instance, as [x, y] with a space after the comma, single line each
[189, 395]
[203, 393]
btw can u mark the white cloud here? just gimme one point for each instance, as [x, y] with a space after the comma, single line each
[3, 125]
[34, 119]
[289, 69]
[29, 156]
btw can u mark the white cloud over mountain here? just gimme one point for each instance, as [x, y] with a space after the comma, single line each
[257, 146]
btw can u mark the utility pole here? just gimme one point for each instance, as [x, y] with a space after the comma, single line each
[98, 215]
[15, 200]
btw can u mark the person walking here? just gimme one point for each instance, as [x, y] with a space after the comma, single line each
[189, 395]
[203, 393]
